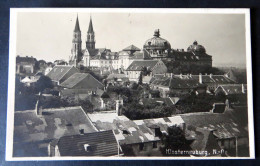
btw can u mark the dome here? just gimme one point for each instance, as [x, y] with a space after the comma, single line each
[195, 47]
[157, 43]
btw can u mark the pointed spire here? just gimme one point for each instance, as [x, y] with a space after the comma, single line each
[77, 29]
[90, 27]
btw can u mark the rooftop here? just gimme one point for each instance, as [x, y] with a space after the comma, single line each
[101, 143]
[52, 124]
[81, 81]
[58, 72]
[138, 65]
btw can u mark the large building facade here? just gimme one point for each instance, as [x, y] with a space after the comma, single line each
[155, 48]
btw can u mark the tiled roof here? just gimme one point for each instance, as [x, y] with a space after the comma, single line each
[82, 81]
[231, 89]
[101, 143]
[224, 125]
[132, 132]
[29, 60]
[141, 55]
[203, 139]
[120, 125]
[138, 65]
[52, 124]
[189, 56]
[112, 76]
[146, 126]
[131, 48]
[58, 72]
[176, 83]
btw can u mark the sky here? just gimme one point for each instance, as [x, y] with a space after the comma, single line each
[48, 35]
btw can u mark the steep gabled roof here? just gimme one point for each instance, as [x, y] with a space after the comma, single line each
[58, 72]
[102, 143]
[231, 89]
[81, 81]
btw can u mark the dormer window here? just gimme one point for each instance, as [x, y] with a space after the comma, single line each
[125, 132]
[86, 147]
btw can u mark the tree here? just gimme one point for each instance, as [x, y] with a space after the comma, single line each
[43, 83]
[140, 79]
[174, 141]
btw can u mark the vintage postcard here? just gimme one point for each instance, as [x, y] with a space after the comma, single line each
[115, 84]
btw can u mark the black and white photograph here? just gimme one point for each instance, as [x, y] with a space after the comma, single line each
[88, 83]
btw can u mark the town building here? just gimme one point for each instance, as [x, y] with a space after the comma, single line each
[25, 65]
[176, 86]
[80, 86]
[152, 66]
[59, 74]
[155, 48]
[230, 131]
[159, 48]
[35, 129]
[141, 136]
[101, 143]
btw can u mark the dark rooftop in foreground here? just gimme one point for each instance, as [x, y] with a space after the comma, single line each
[101, 143]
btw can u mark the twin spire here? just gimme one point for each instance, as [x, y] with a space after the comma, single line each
[77, 28]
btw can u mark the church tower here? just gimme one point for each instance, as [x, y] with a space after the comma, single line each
[90, 42]
[76, 53]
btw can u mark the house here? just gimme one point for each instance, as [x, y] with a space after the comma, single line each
[117, 79]
[213, 81]
[176, 86]
[25, 65]
[203, 142]
[141, 136]
[231, 134]
[81, 85]
[237, 93]
[35, 129]
[102, 143]
[58, 74]
[137, 66]
[232, 89]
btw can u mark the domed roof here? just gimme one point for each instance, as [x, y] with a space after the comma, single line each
[195, 47]
[157, 43]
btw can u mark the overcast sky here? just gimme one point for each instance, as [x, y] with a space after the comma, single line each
[48, 36]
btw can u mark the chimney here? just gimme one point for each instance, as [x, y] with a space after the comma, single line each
[200, 78]
[210, 75]
[180, 75]
[243, 88]
[118, 103]
[81, 131]
[171, 75]
[102, 103]
[38, 109]
[227, 104]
